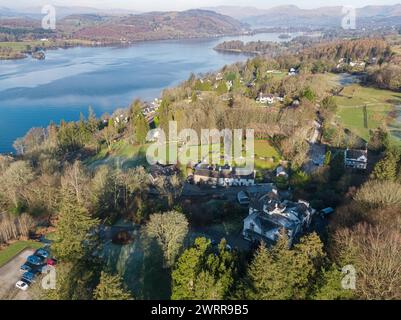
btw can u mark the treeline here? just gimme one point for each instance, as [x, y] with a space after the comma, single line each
[13, 227]
[254, 47]
[386, 76]
[358, 49]
[17, 34]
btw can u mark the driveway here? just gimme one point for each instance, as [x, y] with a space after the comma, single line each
[10, 274]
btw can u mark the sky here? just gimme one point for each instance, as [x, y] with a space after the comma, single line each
[153, 5]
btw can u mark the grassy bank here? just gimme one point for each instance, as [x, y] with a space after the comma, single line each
[15, 248]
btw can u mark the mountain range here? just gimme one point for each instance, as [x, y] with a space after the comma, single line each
[35, 12]
[135, 27]
[293, 16]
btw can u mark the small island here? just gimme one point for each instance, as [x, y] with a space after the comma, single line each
[253, 47]
[39, 55]
[284, 36]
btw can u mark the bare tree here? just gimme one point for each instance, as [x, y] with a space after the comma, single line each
[14, 181]
[375, 251]
[170, 230]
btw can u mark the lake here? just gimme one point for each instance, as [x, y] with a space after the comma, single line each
[34, 93]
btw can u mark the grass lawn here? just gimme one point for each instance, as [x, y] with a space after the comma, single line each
[266, 156]
[15, 248]
[379, 103]
[127, 154]
[278, 75]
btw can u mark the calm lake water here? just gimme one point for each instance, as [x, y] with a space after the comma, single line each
[33, 93]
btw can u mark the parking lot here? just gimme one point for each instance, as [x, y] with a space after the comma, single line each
[10, 274]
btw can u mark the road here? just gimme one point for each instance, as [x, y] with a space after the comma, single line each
[10, 274]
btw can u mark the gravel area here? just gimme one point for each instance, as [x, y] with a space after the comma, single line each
[9, 275]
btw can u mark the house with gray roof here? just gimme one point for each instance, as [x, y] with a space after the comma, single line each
[224, 176]
[269, 215]
[356, 159]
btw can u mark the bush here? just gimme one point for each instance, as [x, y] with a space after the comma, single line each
[376, 193]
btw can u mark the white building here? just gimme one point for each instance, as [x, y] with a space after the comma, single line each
[356, 159]
[281, 172]
[268, 216]
[225, 176]
[265, 98]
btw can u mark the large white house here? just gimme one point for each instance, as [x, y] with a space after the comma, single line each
[268, 216]
[356, 159]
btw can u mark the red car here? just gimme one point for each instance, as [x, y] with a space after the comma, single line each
[51, 262]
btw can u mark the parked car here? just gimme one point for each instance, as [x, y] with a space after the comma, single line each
[30, 275]
[327, 212]
[23, 285]
[36, 260]
[42, 253]
[51, 262]
[27, 267]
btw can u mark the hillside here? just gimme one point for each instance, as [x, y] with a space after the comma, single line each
[133, 27]
[151, 26]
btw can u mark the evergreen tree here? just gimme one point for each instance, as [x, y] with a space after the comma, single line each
[203, 274]
[284, 273]
[141, 126]
[189, 266]
[111, 287]
[164, 115]
[73, 227]
[194, 97]
[386, 169]
[309, 94]
[73, 281]
[221, 88]
[329, 286]
[93, 123]
[256, 274]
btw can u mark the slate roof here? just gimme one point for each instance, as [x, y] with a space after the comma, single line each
[355, 154]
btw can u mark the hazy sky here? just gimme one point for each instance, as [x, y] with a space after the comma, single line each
[149, 5]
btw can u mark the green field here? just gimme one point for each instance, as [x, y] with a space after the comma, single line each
[379, 103]
[128, 155]
[264, 154]
[15, 248]
[122, 152]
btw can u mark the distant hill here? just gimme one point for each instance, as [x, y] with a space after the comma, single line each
[293, 16]
[237, 12]
[62, 12]
[150, 26]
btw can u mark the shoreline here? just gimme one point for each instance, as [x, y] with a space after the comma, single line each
[112, 44]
